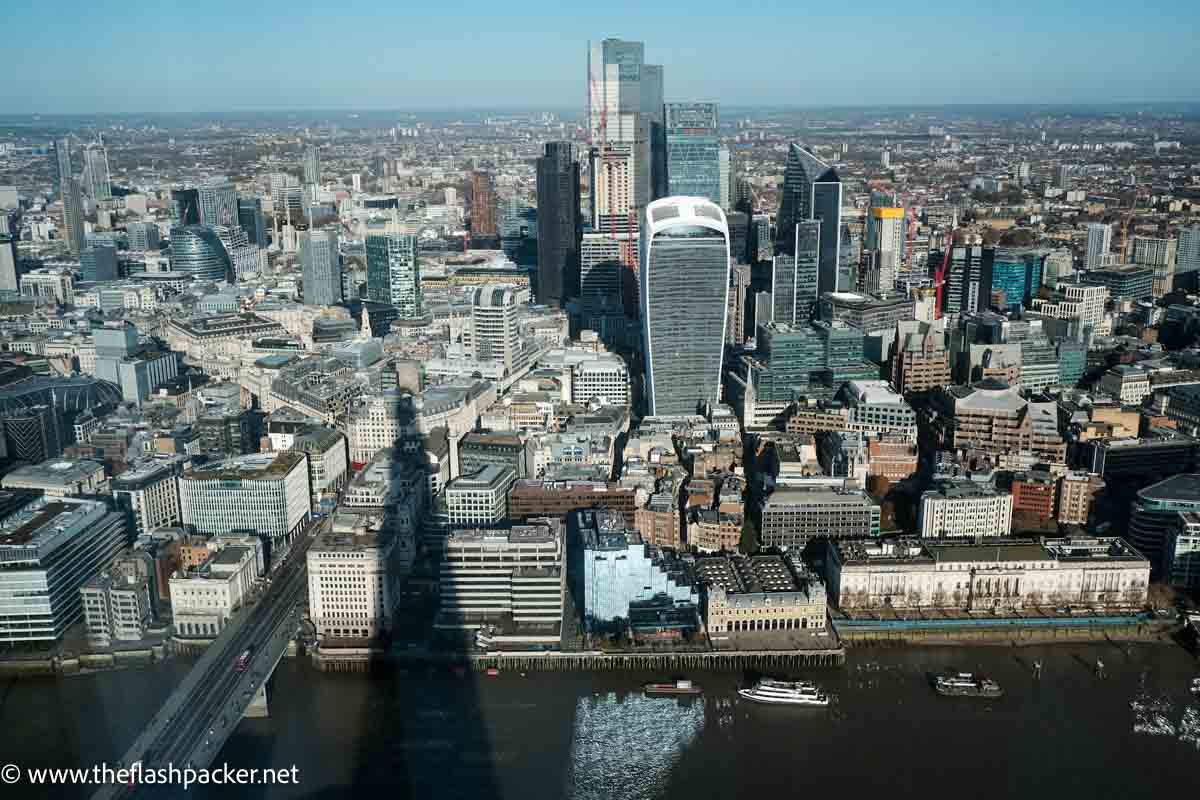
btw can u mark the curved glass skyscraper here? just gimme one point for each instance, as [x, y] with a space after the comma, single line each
[196, 250]
[685, 299]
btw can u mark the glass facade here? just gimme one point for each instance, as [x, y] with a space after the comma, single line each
[693, 151]
[812, 190]
[794, 283]
[394, 273]
[1018, 275]
[684, 297]
[218, 203]
[196, 250]
[322, 268]
[558, 224]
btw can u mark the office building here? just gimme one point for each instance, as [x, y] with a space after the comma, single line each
[73, 215]
[625, 129]
[760, 593]
[1154, 516]
[1001, 576]
[1182, 569]
[96, 182]
[795, 276]
[992, 417]
[148, 492]
[321, 266]
[115, 609]
[512, 582]
[33, 433]
[615, 569]
[793, 516]
[1160, 255]
[601, 274]
[483, 205]
[267, 493]
[250, 219]
[884, 249]
[218, 203]
[351, 588]
[59, 478]
[684, 298]
[693, 152]
[1128, 281]
[479, 497]
[1099, 243]
[312, 166]
[558, 224]
[1077, 489]
[494, 332]
[185, 207]
[98, 263]
[1076, 301]
[502, 448]
[143, 236]
[964, 509]
[812, 190]
[394, 273]
[197, 250]
[1187, 256]
[206, 595]
[10, 231]
[920, 360]
[50, 548]
[543, 498]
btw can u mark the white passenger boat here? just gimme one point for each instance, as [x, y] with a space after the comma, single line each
[785, 693]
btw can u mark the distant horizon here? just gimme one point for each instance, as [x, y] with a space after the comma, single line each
[1191, 104]
[96, 58]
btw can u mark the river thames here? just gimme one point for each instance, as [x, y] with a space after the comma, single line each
[570, 735]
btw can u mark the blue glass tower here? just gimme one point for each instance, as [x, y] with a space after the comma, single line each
[693, 151]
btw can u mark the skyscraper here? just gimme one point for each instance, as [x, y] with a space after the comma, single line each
[600, 273]
[483, 205]
[250, 217]
[693, 152]
[73, 214]
[685, 298]
[494, 332]
[98, 262]
[1099, 242]
[885, 246]
[394, 272]
[625, 117]
[812, 190]
[312, 166]
[10, 230]
[1187, 258]
[728, 178]
[559, 225]
[62, 155]
[794, 282]
[322, 267]
[95, 167]
[185, 207]
[218, 202]
[197, 250]
[1160, 254]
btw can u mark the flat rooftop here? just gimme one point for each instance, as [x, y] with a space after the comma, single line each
[256, 466]
[56, 472]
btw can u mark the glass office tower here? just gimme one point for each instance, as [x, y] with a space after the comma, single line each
[794, 282]
[197, 250]
[693, 151]
[394, 272]
[812, 190]
[322, 268]
[685, 299]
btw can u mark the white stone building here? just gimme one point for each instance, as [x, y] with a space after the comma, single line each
[964, 509]
[350, 577]
[999, 576]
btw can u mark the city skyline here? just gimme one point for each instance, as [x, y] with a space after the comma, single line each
[1073, 55]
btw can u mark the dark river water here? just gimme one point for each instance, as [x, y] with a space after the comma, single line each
[568, 735]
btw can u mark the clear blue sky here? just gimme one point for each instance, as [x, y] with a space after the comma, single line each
[211, 55]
